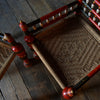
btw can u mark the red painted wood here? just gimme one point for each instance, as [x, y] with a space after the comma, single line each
[53, 13]
[53, 21]
[97, 15]
[20, 52]
[91, 20]
[93, 72]
[8, 37]
[97, 2]
[80, 1]
[23, 26]
[27, 63]
[68, 93]
[29, 39]
[17, 48]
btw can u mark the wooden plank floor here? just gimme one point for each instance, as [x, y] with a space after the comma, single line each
[33, 83]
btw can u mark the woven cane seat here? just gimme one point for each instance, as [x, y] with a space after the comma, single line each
[6, 57]
[72, 47]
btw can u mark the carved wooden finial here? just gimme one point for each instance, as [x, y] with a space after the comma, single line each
[8, 37]
[68, 92]
[23, 26]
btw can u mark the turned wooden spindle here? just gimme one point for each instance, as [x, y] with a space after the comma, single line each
[18, 49]
[31, 40]
[24, 28]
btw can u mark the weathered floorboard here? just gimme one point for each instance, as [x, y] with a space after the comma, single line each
[18, 83]
[29, 75]
[34, 83]
[12, 85]
[40, 7]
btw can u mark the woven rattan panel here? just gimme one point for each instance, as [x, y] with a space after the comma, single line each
[5, 52]
[72, 48]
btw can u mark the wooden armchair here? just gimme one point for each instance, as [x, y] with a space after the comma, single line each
[77, 29]
[77, 35]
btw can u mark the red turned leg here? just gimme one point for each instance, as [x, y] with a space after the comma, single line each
[18, 49]
[24, 28]
[68, 92]
[49, 18]
[28, 39]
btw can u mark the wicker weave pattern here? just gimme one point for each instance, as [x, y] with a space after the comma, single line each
[5, 52]
[73, 48]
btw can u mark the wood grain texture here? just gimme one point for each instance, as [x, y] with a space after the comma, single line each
[18, 83]
[36, 83]
[23, 11]
[5, 86]
[6, 65]
[6, 57]
[40, 7]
